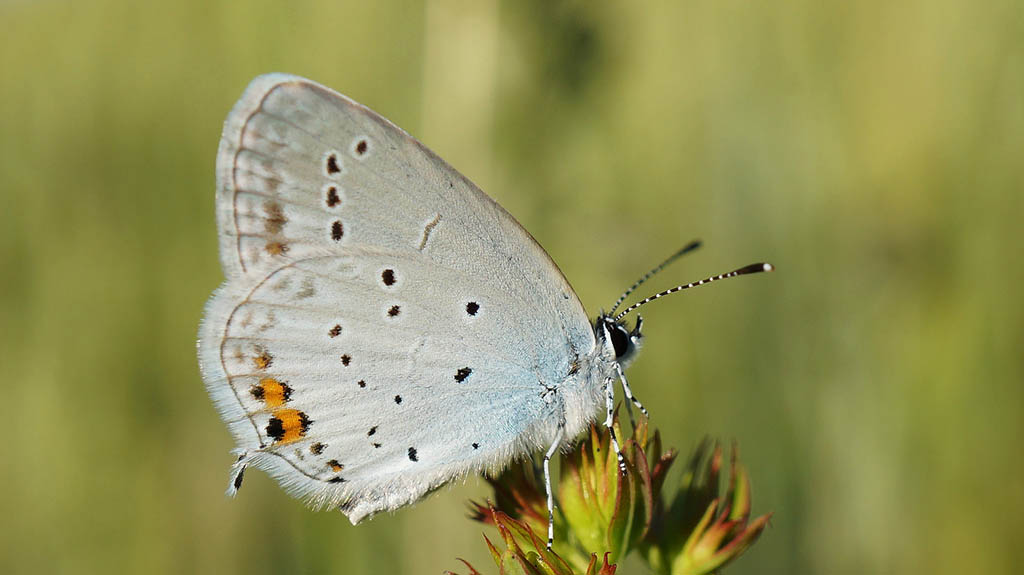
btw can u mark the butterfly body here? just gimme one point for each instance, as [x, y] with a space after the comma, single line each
[384, 327]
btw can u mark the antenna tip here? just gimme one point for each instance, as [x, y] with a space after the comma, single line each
[768, 267]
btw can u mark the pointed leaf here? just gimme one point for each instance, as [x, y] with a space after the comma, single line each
[607, 569]
[472, 570]
[739, 494]
[698, 530]
[495, 554]
[740, 543]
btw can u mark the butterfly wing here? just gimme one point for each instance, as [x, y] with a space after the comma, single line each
[385, 325]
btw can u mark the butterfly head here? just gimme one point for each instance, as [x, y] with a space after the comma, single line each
[623, 341]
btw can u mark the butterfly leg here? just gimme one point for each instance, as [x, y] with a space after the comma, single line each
[609, 395]
[629, 392]
[547, 485]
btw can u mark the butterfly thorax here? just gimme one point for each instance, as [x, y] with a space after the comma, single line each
[583, 390]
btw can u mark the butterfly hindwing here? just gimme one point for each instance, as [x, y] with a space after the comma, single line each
[385, 325]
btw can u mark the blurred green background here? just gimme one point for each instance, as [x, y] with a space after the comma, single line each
[871, 150]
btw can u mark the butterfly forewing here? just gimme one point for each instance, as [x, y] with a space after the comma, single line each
[385, 325]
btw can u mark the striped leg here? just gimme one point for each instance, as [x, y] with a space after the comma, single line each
[609, 394]
[629, 392]
[547, 485]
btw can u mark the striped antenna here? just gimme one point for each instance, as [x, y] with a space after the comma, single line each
[685, 250]
[751, 269]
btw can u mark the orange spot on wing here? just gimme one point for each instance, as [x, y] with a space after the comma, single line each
[275, 393]
[294, 424]
[263, 360]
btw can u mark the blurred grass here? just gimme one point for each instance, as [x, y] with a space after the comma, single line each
[871, 150]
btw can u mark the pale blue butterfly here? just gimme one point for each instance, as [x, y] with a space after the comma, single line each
[385, 326]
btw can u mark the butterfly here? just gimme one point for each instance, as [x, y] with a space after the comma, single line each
[385, 326]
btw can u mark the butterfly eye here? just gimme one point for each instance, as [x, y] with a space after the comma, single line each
[619, 337]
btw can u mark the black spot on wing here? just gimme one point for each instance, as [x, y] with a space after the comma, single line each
[332, 197]
[332, 164]
[275, 429]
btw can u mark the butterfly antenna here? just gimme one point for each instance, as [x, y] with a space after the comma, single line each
[751, 269]
[685, 250]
